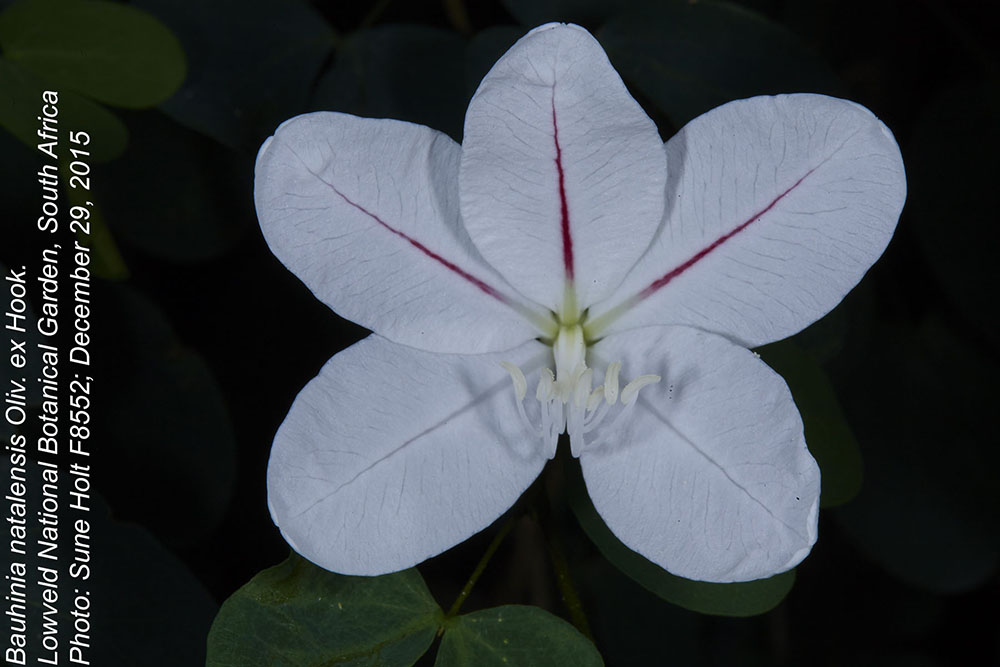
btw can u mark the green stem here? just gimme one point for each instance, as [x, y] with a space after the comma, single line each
[566, 587]
[480, 566]
[543, 515]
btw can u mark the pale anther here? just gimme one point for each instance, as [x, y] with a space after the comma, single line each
[520, 384]
[631, 390]
[595, 398]
[611, 382]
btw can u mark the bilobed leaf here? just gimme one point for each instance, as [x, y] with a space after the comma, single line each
[828, 436]
[929, 508]
[632, 625]
[19, 108]
[21, 102]
[106, 258]
[140, 593]
[407, 72]
[298, 614]
[198, 213]
[162, 394]
[109, 51]
[252, 64]
[514, 635]
[824, 338]
[689, 57]
[738, 599]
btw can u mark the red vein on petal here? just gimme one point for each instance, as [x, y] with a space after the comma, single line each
[567, 240]
[701, 254]
[451, 266]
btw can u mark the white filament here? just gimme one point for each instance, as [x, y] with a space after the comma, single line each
[568, 402]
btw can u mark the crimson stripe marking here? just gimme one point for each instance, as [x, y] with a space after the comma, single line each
[697, 257]
[451, 266]
[567, 240]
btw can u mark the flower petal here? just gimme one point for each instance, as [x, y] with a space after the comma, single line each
[392, 455]
[562, 172]
[776, 207]
[711, 478]
[365, 212]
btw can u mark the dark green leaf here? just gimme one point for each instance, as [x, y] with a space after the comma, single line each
[632, 625]
[252, 63]
[739, 599]
[162, 396]
[296, 614]
[828, 436]
[824, 338]
[144, 595]
[929, 508]
[406, 72]
[514, 635]
[198, 213]
[107, 261]
[112, 52]
[689, 57]
[140, 595]
[21, 104]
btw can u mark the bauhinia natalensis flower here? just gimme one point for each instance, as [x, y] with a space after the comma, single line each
[564, 271]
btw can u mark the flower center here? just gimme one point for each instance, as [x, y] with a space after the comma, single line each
[567, 401]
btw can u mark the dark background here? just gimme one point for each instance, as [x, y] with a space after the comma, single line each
[203, 339]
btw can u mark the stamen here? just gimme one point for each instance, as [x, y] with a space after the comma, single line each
[628, 398]
[520, 390]
[595, 399]
[594, 420]
[581, 388]
[631, 390]
[520, 384]
[613, 426]
[566, 401]
[611, 381]
[557, 427]
[545, 383]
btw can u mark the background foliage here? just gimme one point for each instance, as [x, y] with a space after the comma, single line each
[203, 338]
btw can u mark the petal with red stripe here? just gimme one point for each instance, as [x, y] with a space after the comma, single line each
[776, 208]
[365, 212]
[562, 172]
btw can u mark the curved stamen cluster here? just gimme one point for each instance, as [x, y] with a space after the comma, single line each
[568, 401]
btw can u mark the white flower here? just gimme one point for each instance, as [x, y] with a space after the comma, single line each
[562, 235]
